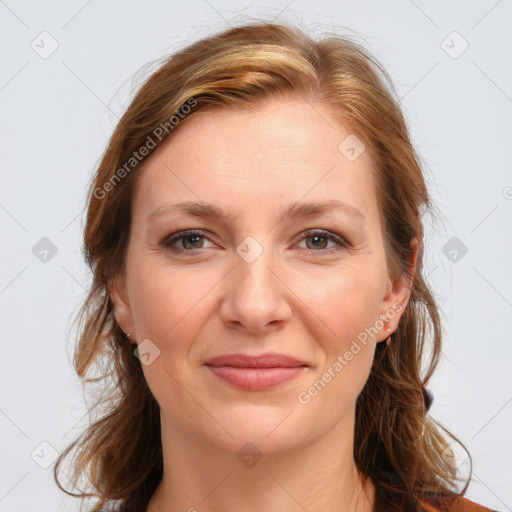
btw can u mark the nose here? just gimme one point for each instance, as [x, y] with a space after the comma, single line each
[257, 297]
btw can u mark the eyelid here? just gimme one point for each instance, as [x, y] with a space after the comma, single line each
[341, 241]
[165, 243]
[330, 235]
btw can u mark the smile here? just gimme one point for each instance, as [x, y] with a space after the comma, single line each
[255, 379]
[255, 372]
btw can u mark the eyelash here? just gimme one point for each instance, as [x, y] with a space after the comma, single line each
[169, 240]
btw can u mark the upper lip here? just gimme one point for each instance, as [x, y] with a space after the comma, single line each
[269, 360]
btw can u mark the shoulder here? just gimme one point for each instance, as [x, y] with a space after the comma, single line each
[460, 504]
[465, 505]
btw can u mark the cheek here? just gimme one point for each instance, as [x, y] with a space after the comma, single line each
[350, 309]
[170, 308]
[348, 305]
[167, 309]
[165, 301]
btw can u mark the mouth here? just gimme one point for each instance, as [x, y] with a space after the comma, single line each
[255, 373]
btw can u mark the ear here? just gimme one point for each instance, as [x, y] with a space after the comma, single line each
[398, 293]
[122, 309]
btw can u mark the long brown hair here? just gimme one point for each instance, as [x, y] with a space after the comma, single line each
[397, 444]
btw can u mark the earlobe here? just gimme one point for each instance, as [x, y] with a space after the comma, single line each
[398, 297]
[122, 310]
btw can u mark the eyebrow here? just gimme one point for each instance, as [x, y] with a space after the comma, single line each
[295, 210]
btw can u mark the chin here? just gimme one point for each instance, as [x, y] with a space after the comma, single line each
[269, 429]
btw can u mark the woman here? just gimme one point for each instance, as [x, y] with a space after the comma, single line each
[258, 306]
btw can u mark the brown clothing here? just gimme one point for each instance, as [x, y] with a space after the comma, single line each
[460, 505]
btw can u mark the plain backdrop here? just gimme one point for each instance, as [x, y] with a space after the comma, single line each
[68, 71]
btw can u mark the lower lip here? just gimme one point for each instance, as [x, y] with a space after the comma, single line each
[255, 379]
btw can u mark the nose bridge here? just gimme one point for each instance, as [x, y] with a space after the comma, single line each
[253, 282]
[254, 279]
[256, 295]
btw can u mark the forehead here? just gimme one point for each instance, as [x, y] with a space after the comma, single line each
[287, 150]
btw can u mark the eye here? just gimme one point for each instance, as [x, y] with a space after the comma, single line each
[319, 239]
[189, 241]
[193, 240]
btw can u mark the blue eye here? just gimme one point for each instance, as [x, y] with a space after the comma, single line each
[193, 240]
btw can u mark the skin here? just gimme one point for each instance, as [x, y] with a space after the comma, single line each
[303, 297]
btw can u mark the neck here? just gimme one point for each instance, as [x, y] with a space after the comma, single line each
[317, 476]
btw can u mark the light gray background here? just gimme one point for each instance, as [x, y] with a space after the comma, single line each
[57, 114]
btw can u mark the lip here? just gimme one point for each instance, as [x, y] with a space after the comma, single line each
[269, 360]
[255, 373]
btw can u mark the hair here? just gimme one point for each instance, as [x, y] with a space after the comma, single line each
[398, 445]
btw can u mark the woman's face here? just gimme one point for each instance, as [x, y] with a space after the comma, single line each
[252, 279]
